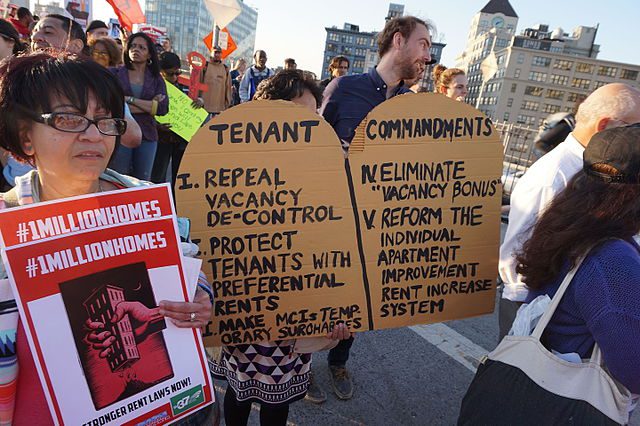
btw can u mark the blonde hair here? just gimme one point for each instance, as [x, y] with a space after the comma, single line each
[443, 76]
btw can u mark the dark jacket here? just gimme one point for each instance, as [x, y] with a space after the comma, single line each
[152, 86]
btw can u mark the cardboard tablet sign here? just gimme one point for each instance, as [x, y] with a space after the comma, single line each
[97, 265]
[426, 174]
[297, 238]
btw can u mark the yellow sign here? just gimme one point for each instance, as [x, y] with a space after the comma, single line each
[296, 238]
[184, 119]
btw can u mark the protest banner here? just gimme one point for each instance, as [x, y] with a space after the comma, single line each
[157, 34]
[185, 120]
[264, 187]
[408, 224]
[426, 174]
[102, 262]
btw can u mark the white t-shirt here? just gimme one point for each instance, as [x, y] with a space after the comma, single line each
[533, 193]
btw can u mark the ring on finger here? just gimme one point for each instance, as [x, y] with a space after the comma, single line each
[192, 316]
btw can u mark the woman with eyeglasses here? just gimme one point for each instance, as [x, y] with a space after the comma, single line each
[68, 132]
[105, 52]
[146, 94]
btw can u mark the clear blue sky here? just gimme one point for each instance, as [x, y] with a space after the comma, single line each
[295, 28]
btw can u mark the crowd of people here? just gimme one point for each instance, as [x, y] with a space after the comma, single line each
[77, 116]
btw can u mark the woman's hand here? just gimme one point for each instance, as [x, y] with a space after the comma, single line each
[339, 332]
[196, 314]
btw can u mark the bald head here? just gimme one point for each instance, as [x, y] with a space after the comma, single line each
[612, 105]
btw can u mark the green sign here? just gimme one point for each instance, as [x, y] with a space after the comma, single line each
[184, 119]
[187, 400]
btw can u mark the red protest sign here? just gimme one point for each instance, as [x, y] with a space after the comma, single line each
[197, 63]
[106, 260]
[128, 12]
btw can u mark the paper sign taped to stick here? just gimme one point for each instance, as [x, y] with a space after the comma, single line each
[88, 273]
[184, 119]
[296, 238]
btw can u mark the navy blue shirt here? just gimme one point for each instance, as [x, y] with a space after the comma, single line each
[348, 100]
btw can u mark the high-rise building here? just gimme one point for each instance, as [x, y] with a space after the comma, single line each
[539, 72]
[189, 21]
[360, 47]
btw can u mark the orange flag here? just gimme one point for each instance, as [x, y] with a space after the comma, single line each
[128, 12]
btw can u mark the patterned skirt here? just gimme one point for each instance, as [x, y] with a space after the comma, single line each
[267, 373]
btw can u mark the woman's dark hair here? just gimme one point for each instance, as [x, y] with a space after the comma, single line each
[8, 30]
[336, 61]
[169, 60]
[287, 85]
[29, 83]
[153, 66]
[585, 213]
[111, 47]
[403, 25]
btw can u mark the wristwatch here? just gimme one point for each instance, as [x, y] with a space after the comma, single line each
[130, 100]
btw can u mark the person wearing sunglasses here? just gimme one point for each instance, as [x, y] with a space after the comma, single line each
[105, 52]
[171, 146]
[68, 132]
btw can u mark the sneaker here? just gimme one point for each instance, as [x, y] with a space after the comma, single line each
[315, 393]
[341, 382]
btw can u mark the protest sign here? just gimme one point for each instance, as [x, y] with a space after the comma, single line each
[265, 189]
[157, 34]
[79, 11]
[103, 262]
[197, 63]
[184, 119]
[426, 174]
[114, 28]
[410, 229]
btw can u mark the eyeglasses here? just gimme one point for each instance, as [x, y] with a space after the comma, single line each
[100, 54]
[175, 73]
[76, 123]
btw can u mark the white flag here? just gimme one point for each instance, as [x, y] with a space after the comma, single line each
[223, 11]
[489, 67]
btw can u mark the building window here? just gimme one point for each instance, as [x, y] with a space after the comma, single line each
[551, 109]
[561, 80]
[526, 119]
[514, 87]
[607, 71]
[530, 106]
[506, 116]
[520, 59]
[502, 42]
[581, 83]
[562, 64]
[597, 84]
[533, 91]
[510, 102]
[576, 97]
[628, 74]
[334, 37]
[516, 73]
[500, 60]
[584, 68]
[541, 61]
[537, 76]
[555, 94]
